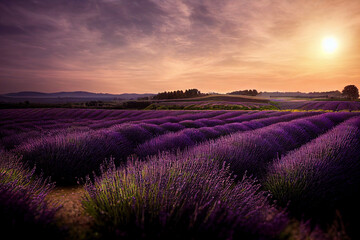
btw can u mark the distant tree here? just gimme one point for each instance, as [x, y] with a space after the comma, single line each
[253, 92]
[178, 94]
[351, 92]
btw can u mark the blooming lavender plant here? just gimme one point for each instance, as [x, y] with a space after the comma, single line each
[321, 176]
[24, 212]
[179, 197]
[68, 157]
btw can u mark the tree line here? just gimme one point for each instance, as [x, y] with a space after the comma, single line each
[350, 92]
[252, 92]
[189, 93]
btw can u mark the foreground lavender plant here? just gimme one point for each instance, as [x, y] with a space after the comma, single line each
[321, 176]
[24, 211]
[179, 197]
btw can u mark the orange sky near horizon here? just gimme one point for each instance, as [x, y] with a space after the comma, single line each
[150, 46]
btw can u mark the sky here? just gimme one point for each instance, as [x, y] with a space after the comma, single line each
[150, 46]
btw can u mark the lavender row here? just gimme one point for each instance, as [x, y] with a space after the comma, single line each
[20, 135]
[179, 197]
[252, 151]
[210, 105]
[67, 156]
[191, 137]
[40, 125]
[62, 113]
[141, 198]
[166, 118]
[28, 122]
[321, 176]
[63, 116]
[128, 116]
[205, 103]
[196, 120]
[332, 105]
[321, 105]
[20, 115]
[24, 211]
[158, 117]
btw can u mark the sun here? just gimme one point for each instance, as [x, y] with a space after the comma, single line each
[329, 44]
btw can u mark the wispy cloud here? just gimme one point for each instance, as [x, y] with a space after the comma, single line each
[156, 45]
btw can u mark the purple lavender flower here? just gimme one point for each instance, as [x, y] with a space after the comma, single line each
[180, 197]
[320, 176]
[24, 212]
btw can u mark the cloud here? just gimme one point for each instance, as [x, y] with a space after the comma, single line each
[157, 45]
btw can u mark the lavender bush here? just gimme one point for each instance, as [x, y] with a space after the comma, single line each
[179, 197]
[68, 157]
[321, 176]
[24, 211]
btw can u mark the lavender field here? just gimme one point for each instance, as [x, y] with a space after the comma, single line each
[319, 105]
[251, 104]
[212, 105]
[180, 174]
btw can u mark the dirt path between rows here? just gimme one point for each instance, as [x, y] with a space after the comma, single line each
[71, 215]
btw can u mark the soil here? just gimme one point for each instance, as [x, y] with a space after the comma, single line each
[71, 215]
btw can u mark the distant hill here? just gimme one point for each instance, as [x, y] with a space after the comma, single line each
[26, 94]
[67, 97]
[329, 94]
[77, 94]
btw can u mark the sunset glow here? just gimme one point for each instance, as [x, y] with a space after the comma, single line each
[329, 44]
[149, 46]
